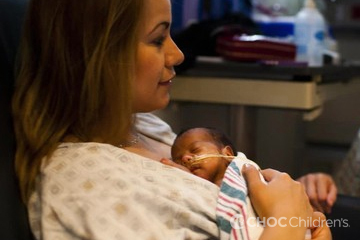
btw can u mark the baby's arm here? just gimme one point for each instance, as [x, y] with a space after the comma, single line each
[169, 162]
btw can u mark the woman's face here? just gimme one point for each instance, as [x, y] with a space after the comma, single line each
[157, 56]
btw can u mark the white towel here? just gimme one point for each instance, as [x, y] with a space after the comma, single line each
[152, 126]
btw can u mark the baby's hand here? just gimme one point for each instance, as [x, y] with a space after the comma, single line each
[169, 162]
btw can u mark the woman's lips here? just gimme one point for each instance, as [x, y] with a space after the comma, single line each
[166, 83]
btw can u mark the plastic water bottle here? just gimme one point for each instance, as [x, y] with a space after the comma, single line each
[309, 34]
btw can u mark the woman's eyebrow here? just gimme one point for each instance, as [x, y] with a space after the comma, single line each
[164, 24]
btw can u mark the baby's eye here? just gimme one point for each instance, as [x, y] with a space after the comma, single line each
[196, 150]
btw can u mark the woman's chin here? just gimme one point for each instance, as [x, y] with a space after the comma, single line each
[164, 103]
[153, 107]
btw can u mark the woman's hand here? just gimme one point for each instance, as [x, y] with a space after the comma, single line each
[319, 229]
[321, 189]
[281, 198]
[278, 196]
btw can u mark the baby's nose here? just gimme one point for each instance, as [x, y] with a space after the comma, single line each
[186, 158]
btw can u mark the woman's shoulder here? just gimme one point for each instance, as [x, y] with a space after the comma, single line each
[80, 168]
[85, 159]
[67, 148]
[86, 150]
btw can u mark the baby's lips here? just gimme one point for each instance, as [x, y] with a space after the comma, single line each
[193, 167]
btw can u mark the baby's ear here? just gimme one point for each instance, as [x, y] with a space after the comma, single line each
[227, 150]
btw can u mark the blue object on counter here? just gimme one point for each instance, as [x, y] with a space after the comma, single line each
[185, 12]
[276, 29]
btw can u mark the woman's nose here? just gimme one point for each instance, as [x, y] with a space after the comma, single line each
[174, 56]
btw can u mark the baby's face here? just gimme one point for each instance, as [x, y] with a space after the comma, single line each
[198, 142]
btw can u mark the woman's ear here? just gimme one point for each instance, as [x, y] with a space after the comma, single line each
[227, 150]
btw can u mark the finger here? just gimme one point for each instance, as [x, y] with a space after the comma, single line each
[331, 198]
[322, 189]
[310, 186]
[269, 174]
[171, 163]
[317, 219]
[251, 175]
[301, 180]
[319, 227]
[326, 191]
[332, 195]
[166, 161]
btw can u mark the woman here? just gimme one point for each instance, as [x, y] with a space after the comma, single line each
[86, 67]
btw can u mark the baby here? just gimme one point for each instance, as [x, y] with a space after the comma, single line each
[206, 152]
[209, 154]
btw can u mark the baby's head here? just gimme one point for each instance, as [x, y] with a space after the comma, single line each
[198, 141]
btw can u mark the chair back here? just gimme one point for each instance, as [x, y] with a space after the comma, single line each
[13, 217]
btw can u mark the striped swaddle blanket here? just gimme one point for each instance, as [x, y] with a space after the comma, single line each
[234, 213]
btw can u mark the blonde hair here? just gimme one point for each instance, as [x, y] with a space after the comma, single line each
[75, 71]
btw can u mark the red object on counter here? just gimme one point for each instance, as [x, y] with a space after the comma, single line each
[247, 48]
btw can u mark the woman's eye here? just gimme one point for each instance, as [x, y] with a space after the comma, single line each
[159, 41]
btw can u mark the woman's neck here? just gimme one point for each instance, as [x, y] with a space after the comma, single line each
[150, 148]
[143, 146]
